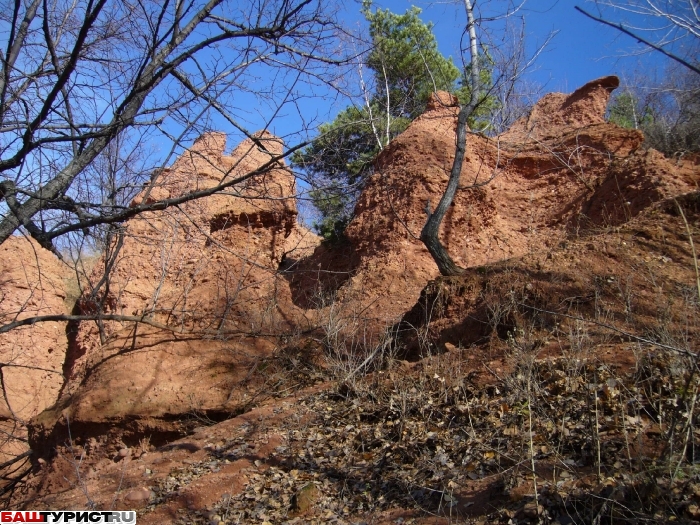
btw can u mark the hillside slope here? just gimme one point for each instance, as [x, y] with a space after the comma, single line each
[555, 380]
[563, 170]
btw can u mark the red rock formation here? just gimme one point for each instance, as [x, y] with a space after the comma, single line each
[34, 283]
[557, 112]
[203, 277]
[560, 170]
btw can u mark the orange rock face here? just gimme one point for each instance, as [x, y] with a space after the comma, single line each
[557, 112]
[560, 170]
[34, 283]
[220, 283]
[203, 279]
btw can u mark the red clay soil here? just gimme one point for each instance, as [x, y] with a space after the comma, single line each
[576, 220]
[203, 277]
[561, 170]
[623, 281]
[34, 283]
[480, 328]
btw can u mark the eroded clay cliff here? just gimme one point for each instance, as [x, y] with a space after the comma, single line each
[34, 283]
[219, 282]
[560, 170]
[201, 280]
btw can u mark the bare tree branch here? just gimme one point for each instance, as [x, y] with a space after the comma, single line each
[120, 74]
[29, 321]
[641, 40]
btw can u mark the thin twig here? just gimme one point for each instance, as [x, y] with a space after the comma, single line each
[614, 329]
[692, 245]
[639, 39]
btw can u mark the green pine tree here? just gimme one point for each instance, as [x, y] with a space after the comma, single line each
[405, 59]
[406, 66]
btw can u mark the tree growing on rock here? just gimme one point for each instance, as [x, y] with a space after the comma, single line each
[406, 67]
[430, 232]
[476, 96]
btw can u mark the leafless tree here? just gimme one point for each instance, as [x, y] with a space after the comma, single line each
[429, 234]
[513, 95]
[97, 95]
[86, 85]
[506, 75]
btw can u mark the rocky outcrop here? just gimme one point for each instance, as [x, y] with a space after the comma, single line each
[203, 278]
[561, 204]
[202, 281]
[560, 171]
[260, 459]
[34, 283]
[556, 112]
[560, 213]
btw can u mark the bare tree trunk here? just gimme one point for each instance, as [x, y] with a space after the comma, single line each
[430, 232]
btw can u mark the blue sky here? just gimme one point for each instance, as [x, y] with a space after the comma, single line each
[582, 49]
